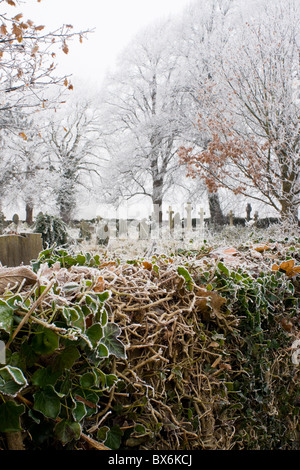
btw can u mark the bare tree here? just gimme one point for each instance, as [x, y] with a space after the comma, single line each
[250, 112]
[201, 34]
[27, 74]
[28, 61]
[27, 178]
[140, 127]
[71, 147]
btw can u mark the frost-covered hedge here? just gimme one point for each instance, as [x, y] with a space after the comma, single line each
[182, 349]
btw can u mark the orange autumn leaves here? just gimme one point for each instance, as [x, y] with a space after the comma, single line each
[288, 267]
[259, 251]
[18, 27]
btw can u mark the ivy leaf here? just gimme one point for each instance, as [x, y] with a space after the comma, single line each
[67, 430]
[79, 411]
[104, 317]
[47, 402]
[111, 379]
[103, 296]
[10, 414]
[80, 322]
[34, 416]
[92, 303]
[44, 377]
[87, 380]
[102, 433]
[6, 316]
[71, 288]
[89, 399]
[71, 315]
[111, 332]
[12, 380]
[95, 333]
[186, 276]
[66, 358]
[113, 438]
[45, 341]
[102, 351]
[223, 269]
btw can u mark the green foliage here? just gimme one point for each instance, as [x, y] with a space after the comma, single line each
[230, 344]
[266, 390]
[52, 228]
[10, 414]
[66, 259]
[224, 376]
[59, 367]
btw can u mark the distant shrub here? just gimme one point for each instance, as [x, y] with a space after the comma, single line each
[52, 228]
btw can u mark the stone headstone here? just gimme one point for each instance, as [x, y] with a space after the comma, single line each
[123, 228]
[144, 230]
[177, 232]
[248, 211]
[85, 230]
[201, 224]
[103, 233]
[171, 220]
[188, 225]
[16, 220]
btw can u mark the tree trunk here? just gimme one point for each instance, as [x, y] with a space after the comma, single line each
[29, 213]
[216, 214]
[157, 198]
[66, 200]
[289, 210]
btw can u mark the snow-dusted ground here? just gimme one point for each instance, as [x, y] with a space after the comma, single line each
[229, 236]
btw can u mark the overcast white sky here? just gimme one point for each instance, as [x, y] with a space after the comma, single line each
[115, 23]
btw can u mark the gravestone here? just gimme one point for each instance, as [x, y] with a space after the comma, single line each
[248, 211]
[85, 230]
[123, 228]
[171, 219]
[103, 232]
[16, 219]
[201, 213]
[177, 231]
[144, 230]
[188, 225]
[16, 222]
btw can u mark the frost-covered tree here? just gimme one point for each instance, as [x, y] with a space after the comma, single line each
[28, 60]
[201, 32]
[141, 106]
[28, 71]
[27, 179]
[71, 147]
[250, 111]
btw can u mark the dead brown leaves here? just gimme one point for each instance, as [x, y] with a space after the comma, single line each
[161, 323]
[288, 267]
[16, 277]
